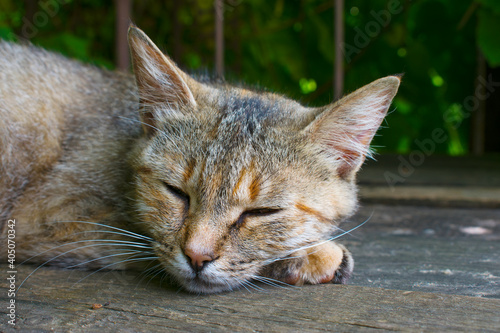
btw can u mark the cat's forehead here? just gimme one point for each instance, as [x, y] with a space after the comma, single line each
[235, 130]
[250, 126]
[244, 106]
[241, 105]
[242, 115]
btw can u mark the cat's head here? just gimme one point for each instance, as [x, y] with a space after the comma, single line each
[229, 180]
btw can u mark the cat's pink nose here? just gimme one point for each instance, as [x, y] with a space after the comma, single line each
[197, 259]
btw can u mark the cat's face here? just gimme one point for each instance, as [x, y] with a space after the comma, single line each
[243, 191]
[229, 180]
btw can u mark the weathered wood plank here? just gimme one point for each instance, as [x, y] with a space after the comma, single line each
[433, 195]
[405, 247]
[52, 300]
[434, 170]
[453, 251]
[434, 181]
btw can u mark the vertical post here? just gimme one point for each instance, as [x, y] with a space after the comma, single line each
[30, 8]
[176, 31]
[122, 56]
[478, 128]
[219, 38]
[338, 72]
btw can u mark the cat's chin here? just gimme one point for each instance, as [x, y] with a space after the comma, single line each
[201, 286]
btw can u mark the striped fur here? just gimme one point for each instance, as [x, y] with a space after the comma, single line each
[220, 185]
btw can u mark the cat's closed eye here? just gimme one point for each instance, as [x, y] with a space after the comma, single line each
[177, 192]
[258, 212]
[262, 211]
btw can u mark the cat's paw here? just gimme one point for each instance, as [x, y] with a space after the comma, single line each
[328, 262]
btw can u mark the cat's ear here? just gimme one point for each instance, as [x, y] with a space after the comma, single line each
[160, 82]
[345, 128]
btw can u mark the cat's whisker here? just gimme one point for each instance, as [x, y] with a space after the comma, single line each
[110, 227]
[286, 257]
[340, 229]
[304, 255]
[273, 282]
[229, 286]
[348, 232]
[104, 257]
[149, 271]
[332, 238]
[163, 277]
[152, 272]
[263, 282]
[104, 232]
[116, 263]
[254, 286]
[116, 252]
[104, 243]
[113, 241]
[244, 285]
[153, 276]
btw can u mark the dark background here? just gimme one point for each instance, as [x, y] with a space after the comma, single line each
[445, 48]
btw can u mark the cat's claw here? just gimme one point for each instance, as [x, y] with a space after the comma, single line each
[325, 263]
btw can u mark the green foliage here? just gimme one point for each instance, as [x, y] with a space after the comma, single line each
[488, 29]
[493, 5]
[287, 46]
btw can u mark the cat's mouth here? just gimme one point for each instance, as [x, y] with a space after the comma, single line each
[203, 283]
[208, 281]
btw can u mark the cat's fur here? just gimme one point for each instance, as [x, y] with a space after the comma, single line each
[226, 184]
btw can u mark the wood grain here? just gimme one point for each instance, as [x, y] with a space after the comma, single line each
[137, 306]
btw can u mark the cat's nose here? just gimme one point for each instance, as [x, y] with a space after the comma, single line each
[197, 259]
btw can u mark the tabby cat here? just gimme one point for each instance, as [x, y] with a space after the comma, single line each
[219, 185]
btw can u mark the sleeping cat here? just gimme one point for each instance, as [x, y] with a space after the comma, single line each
[218, 185]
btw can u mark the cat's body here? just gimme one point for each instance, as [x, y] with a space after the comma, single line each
[225, 184]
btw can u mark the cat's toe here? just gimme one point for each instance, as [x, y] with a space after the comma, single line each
[344, 271]
[326, 263]
[330, 263]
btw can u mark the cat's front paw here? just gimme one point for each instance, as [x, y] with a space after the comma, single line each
[328, 262]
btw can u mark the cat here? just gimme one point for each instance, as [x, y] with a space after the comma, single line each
[217, 185]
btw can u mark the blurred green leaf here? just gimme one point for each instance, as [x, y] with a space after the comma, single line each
[488, 35]
[288, 47]
[491, 4]
[68, 44]
[7, 34]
